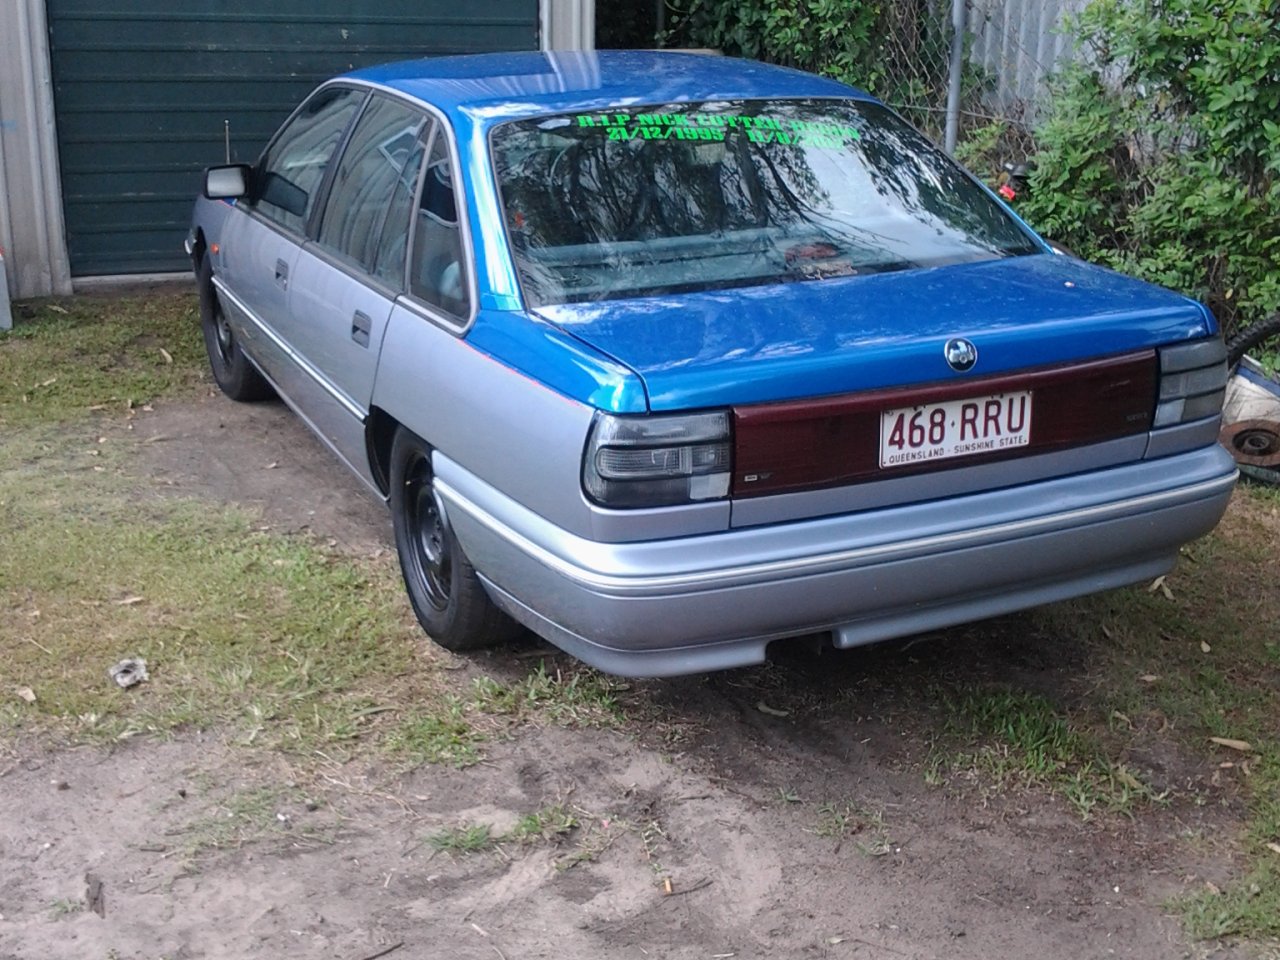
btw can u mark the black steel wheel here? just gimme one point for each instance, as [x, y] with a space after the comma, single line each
[235, 375]
[447, 596]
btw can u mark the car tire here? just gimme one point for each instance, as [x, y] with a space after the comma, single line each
[447, 596]
[1252, 337]
[234, 373]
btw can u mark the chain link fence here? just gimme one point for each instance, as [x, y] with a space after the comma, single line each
[997, 75]
[952, 67]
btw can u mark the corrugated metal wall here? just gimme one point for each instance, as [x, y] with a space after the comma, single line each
[1019, 43]
[141, 90]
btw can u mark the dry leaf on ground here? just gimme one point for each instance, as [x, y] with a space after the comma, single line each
[1242, 745]
[771, 711]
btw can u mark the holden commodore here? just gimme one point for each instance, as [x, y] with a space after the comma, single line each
[669, 357]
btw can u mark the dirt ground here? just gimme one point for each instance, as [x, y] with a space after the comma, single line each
[724, 798]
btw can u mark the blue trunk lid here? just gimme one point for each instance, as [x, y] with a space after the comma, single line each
[816, 338]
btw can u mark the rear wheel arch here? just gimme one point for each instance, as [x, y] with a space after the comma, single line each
[444, 590]
[379, 433]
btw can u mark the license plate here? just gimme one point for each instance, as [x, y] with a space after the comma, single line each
[956, 428]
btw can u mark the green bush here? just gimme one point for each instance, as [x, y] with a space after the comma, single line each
[831, 37]
[1160, 153]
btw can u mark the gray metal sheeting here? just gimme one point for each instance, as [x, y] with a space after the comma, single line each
[141, 94]
[1018, 43]
[30, 204]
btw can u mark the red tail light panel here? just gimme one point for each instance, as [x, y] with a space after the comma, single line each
[831, 441]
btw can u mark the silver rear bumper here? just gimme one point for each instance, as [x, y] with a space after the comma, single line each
[712, 601]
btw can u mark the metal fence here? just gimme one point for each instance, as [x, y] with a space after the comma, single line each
[1006, 51]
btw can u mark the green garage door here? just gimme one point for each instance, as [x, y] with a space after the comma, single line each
[142, 87]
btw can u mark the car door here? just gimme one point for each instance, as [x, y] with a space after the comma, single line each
[260, 246]
[347, 279]
[440, 297]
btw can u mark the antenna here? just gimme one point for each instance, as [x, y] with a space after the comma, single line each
[226, 138]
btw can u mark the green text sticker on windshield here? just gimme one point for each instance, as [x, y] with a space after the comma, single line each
[714, 126]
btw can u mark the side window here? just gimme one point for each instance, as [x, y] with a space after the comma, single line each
[393, 244]
[291, 171]
[438, 268]
[373, 185]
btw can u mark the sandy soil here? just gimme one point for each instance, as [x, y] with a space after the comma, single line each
[719, 796]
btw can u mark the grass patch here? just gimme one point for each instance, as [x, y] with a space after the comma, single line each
[548, 825]
[68, 358]
[841, 820]
[65, 907]
[444, 736]
[268, 635]
[1204, 661]
[456, 730]
[541, 826]
[1019, 738]
[575, 696]
[246, 816]
[1248, 907]
[471, 838]
[272, 638]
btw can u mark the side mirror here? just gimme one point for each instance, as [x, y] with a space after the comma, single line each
[227, 182]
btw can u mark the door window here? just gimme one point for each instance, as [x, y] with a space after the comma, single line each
[366, 217]
[290, 172]
[439, 273]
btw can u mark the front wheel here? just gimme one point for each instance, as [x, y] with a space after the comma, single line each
[447, 596]
[235, 375]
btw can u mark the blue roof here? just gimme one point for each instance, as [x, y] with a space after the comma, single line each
[498, 86]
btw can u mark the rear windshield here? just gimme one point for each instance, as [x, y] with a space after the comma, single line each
[703, 196]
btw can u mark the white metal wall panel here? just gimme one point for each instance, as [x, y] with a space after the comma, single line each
[31, 228]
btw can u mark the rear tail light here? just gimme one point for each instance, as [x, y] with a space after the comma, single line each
[1193, 381]
[656, 461]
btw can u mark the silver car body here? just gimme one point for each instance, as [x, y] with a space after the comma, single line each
[673, 590]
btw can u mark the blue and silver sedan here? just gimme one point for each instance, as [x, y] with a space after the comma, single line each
[668, 358]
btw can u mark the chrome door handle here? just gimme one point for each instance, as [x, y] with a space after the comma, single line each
[282, 274]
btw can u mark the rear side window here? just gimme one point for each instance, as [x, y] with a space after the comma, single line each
[438, 266]
[366, 217]
[729, 193]
[393, 244]
[290, 172]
